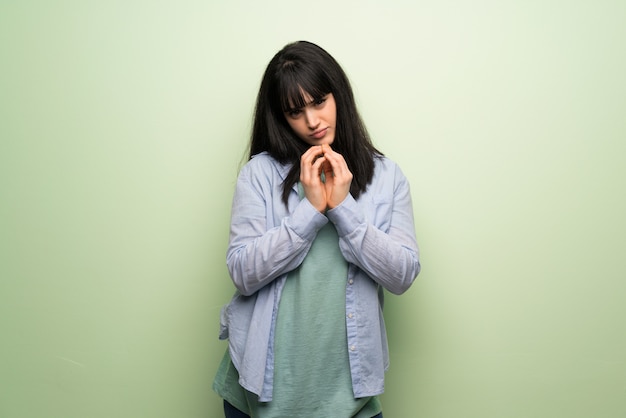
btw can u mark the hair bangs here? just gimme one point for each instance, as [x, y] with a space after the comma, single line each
[299, 84]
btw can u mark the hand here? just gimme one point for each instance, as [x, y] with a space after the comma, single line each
[310, 170]
[338, 177]
[328, 194]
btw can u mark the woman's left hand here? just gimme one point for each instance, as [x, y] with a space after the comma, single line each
[338, 177]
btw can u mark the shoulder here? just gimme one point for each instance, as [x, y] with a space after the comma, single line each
[383, 161]
[263, 167]
[262, 163]
[386, 169]
[389, 179]
[261, 160]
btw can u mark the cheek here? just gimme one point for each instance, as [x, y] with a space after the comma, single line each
[332, 114]
[291, 124]
[297, 126]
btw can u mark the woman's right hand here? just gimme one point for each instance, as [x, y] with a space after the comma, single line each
[311, 164]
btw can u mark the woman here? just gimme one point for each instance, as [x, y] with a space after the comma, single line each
[321, 223]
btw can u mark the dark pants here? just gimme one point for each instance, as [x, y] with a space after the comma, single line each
[232, 412]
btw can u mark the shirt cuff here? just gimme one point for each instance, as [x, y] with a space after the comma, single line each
[347, 216]
[306, 221]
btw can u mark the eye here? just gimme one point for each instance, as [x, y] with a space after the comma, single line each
[294, 113]
[320, 101]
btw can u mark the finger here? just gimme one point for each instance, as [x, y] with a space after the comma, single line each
[327, 168]
[310, 172]
[337, 164]
[312, 153]
[310, 156]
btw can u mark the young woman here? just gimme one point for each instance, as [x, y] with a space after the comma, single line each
[321, 223]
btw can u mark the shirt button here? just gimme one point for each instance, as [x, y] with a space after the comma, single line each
[352, 348]
[351, 281]
[350, 315]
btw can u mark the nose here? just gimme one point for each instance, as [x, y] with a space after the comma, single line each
[312, 118]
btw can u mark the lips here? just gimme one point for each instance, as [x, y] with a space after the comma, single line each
[319, 134]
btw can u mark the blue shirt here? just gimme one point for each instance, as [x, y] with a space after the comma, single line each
[269, 239]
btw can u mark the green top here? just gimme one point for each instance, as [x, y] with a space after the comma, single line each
[311, 370]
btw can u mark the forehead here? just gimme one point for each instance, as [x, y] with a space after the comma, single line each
[299, 86]
[301, 99]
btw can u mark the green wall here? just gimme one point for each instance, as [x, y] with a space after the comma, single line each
[122, 128]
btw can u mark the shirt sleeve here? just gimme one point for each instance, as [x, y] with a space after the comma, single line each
[258, 251]
[390, 256]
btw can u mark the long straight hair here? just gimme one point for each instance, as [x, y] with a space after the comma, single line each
[304, 68]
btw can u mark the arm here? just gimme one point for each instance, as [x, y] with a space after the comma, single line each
[389, 257]
[259, 252]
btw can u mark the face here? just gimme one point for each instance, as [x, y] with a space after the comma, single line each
[315, 122]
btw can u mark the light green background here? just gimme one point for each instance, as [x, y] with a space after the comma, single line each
[123, 125]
